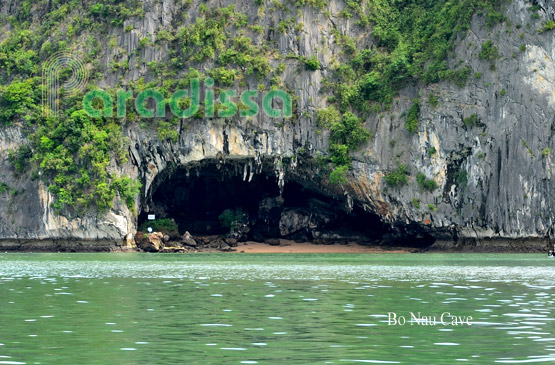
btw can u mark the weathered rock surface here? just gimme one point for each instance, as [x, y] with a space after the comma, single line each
[188, 240]
[272, 241]
[293, 220]
[509, 191]
[152, 242]
[232, 242]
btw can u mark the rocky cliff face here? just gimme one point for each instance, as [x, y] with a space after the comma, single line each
[495, 175]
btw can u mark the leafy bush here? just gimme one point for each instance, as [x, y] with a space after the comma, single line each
[164, 36]
[346, 135]
[549, 25]
[144, 42]
[413, 117]
[318, 4]
[229, 218]
[244, 54]
[493, 17]
[327, 117]
[416, 203]
[223, 76]
[461, 178]
[97, 9]
[337, 176]
[433, 100]
[426, 184]
[397, 177]
[115, 11]
[167, 132]
[16, 100]
[4, 188]
[16, 57]
[430, 184]
[459, 76]
[371, 86]
[20, 158]
[164, 225]
[489, 52]
[339, 154]
[349, 131]
[471, 120]
[127, 188]
[312, 63]
[201, 40]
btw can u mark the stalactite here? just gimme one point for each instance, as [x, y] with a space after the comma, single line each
[349, 202]
[251, 171]
[280, 173]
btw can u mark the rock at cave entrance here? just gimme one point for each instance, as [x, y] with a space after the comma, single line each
[272, 241]
[225, 247]
[269, 216]
[294, 220]
[240, 232]
[152, 242]
[188, 240]
[231, 241]
[130, 241]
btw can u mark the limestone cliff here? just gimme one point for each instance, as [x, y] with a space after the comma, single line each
[494, 171]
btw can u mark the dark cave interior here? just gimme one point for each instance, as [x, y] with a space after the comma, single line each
[195, 197]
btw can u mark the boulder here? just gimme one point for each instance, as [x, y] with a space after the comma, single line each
[139, 240]
[152, 242]
[218, 243]
[272, 241]
[188, 240]
[129, 241]
[241, 230]
[269, 214]
[231, 241]
[139, 236]
[294, 220]
[339, 236]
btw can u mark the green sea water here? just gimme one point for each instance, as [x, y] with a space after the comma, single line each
[276, 309]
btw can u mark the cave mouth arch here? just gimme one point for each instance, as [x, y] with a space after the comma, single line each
[197, 194]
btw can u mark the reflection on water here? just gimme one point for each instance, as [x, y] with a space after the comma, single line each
[249, 309]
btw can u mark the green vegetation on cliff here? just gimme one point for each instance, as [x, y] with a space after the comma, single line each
[407, 42]
[412, 43]
[397, 177]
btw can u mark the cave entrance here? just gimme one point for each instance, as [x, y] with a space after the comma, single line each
[196, 196]
[202, 198]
